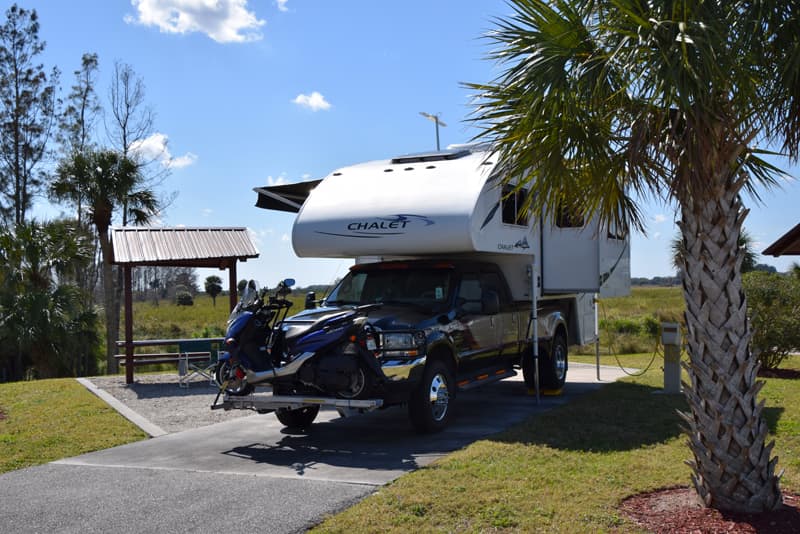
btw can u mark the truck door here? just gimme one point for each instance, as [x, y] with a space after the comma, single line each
[479, 336]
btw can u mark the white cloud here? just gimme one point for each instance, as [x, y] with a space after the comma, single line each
[315, 101]
[285, 238]
[207, 212]
[659, 218]
[224, 21]
[155, 148]
[657, 235]
[282, 5]
[280, 180]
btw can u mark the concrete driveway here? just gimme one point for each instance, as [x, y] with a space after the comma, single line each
[249, 475]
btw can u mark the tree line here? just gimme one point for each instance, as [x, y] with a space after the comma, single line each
[55, 275]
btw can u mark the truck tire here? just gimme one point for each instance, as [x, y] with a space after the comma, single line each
[431, 401]
[300, 418]
[552, 365]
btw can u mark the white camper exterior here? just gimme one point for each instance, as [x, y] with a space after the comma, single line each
[452, 203]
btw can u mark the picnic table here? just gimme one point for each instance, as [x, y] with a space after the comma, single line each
[194, 356]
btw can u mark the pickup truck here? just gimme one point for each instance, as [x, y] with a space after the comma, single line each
[446, 326]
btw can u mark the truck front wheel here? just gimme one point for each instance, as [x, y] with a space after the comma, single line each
[430, 404]
[552, 365]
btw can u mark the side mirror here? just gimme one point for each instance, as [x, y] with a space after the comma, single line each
[490, 303]
[285, 286]
[311, 300]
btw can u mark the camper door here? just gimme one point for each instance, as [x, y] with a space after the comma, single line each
[570, 255]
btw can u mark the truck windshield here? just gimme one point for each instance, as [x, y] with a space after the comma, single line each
[429, 288]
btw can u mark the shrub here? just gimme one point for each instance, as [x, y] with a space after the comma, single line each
[184, 298]
[773, 305]
[651, 326]
[621, 325]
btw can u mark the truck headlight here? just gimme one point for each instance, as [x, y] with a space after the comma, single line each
[396, 341]
[401, 344]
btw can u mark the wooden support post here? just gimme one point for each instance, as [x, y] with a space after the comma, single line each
[128, 324]
[232, 284]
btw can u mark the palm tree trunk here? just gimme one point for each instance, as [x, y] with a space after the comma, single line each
[111, 310]
[732, 468]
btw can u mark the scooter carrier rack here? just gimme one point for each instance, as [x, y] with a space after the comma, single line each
[266, 402]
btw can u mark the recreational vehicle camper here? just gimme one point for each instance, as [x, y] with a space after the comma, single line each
[470, 289]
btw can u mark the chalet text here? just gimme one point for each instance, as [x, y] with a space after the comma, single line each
[378, 225]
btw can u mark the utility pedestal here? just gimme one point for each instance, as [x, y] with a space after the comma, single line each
[671, 339]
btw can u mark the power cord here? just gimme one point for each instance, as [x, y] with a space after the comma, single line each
[612, 351]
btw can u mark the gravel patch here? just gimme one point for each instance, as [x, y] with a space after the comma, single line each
[161, 400]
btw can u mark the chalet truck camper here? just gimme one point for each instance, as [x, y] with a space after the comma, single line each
[453, 287]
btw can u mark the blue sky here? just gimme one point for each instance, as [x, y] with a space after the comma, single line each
[264, 92]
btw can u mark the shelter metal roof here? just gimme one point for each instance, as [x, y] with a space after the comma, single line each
[181, 247]
[787, 245]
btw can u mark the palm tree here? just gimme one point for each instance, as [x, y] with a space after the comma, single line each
[107, 181]
[213, 287]
[603, 103]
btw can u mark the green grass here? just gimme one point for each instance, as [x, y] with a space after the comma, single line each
[566, 470]
[45, 420]
[170, 321]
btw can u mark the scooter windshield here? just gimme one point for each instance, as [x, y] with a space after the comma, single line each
[250, 295]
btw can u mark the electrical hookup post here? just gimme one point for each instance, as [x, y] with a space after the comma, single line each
[671, 339]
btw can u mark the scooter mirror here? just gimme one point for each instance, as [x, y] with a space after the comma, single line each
[289, 282]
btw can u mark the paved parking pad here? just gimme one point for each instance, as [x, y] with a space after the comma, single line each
[251, 474]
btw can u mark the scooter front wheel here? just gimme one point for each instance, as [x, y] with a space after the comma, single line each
[226, 376]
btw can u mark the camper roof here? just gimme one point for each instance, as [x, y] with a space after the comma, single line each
[441, 155]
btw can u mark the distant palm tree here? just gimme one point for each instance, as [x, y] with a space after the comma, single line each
[213, 287]
[745, 245]
[107, 181]
[602, 103]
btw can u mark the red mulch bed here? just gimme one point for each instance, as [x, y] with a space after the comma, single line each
[678, 510]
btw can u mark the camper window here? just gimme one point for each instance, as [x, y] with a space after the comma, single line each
[567, 217]
[512, 203]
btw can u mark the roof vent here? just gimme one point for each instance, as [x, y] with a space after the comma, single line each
[432, 156]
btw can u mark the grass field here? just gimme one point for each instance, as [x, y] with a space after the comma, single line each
[169, 321]
[626, 323]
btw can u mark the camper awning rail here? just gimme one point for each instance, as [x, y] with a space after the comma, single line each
[288, 197]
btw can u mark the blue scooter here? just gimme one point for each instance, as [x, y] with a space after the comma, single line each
[333, 354]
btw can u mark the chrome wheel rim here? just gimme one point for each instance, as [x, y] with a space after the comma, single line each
[439, 397]
[560, 360]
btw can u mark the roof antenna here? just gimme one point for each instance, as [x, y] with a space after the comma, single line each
[435, 119]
